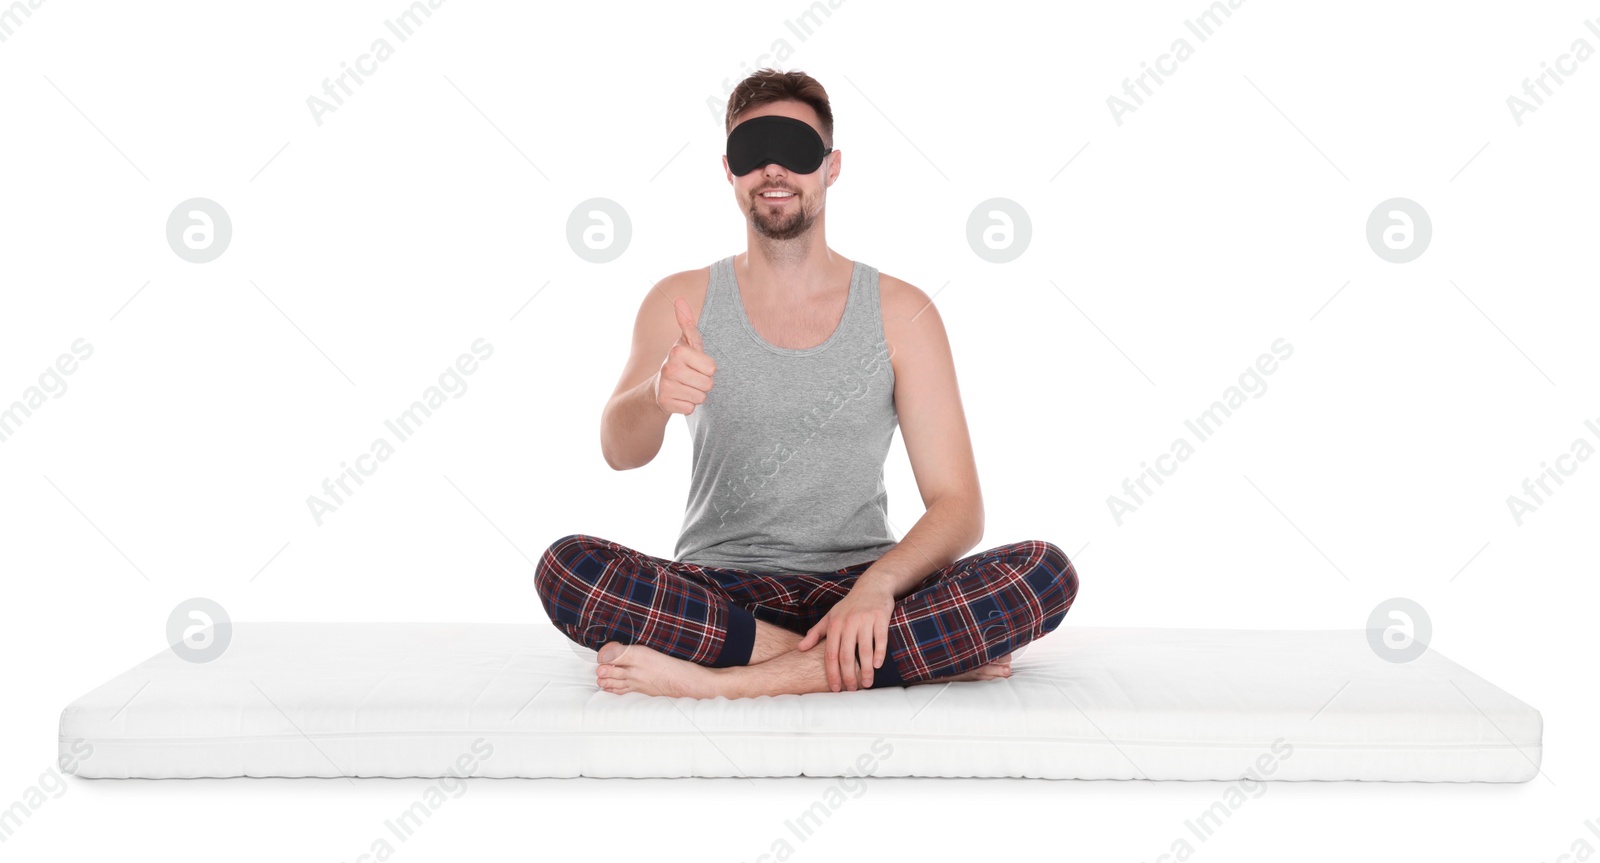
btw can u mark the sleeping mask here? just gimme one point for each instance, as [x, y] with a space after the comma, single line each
[772, 138]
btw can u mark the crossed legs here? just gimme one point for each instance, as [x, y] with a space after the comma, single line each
[664, 627]
[776, 667]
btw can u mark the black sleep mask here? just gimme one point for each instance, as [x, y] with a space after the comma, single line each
[772, 138]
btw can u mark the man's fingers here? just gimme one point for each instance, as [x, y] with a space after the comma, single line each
[847, 659]
[866, 651]
[691, 333]
[811, 635]
[699, 361]
[882, 651]
[830, 657]
[695, 378]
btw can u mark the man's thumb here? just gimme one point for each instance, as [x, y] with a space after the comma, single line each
[691, 333]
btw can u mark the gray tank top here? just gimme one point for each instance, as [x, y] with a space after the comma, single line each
[789, 444]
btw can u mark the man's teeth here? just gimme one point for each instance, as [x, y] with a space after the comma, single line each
[776, 194]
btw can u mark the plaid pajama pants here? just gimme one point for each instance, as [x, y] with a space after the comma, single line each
[961, 616]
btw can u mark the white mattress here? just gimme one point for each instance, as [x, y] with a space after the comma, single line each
[505, 700]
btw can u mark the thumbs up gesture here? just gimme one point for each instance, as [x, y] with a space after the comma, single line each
[685, 375]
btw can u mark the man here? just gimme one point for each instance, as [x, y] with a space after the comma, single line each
[792, 365]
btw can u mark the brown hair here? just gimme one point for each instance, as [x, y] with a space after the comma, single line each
[770, 85]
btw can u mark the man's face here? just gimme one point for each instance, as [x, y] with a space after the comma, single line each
[776, 216]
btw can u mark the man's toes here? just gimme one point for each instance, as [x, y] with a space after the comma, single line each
[610, 651]
[992, 671]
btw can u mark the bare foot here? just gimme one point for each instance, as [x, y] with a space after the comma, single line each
[636, 668]
[991, 671]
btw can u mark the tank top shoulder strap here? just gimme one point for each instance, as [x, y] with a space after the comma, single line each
[866, 309]
[717, 309]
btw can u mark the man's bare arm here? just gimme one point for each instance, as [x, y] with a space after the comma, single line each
[934, 427]
[633, 425]
[940, 537]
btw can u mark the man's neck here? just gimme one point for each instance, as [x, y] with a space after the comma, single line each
[798, 268]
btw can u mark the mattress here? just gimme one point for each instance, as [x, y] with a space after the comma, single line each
[520, 700]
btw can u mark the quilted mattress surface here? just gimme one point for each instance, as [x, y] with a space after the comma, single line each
[520, 700]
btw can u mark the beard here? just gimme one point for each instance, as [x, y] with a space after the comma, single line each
[774, 225]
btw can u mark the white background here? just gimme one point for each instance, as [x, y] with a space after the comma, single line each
[427, 210]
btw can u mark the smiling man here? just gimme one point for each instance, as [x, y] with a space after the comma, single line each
[792, 366]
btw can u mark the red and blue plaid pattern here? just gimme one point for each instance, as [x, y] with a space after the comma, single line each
[961, 616]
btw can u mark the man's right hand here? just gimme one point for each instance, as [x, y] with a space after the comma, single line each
[685, 376]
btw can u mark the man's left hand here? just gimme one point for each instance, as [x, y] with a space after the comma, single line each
[857, 633]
